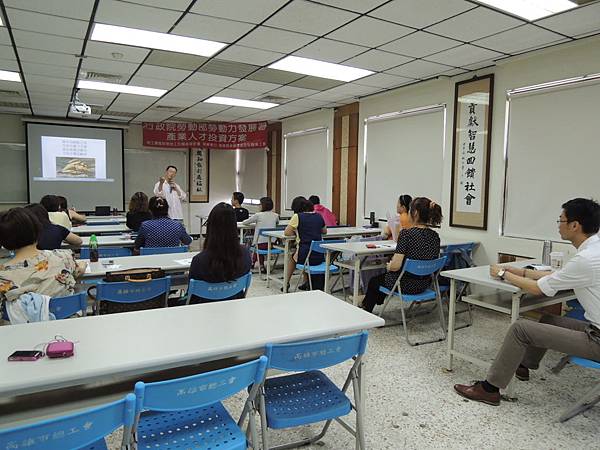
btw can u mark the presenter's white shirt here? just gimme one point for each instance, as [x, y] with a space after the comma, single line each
[173, 198]
[582, 274]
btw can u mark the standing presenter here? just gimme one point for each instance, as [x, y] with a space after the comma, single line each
[172, 192]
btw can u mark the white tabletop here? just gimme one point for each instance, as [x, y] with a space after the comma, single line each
[137, 342]
[337, 232]
[99, 229]
[252, 225]
[168, 262]
[123, 240]
[382, 247]
[481, 275]
[114, 219]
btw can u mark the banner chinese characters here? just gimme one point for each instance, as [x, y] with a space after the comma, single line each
[199, 172]
[214, 135]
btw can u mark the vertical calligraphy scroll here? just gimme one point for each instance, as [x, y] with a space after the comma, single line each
[199, 175]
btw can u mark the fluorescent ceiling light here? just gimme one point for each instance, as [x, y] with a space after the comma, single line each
[531, 9]
[1, 23]
[122, 88]
[152, 39]
[239, 102]
[321, 69]
[7, 75]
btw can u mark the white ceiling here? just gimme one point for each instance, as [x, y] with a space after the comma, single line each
[403, 41]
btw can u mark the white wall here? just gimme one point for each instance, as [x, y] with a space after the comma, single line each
[315, 119]
[568, 60]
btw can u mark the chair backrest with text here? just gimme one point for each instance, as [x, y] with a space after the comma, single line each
[219, 291]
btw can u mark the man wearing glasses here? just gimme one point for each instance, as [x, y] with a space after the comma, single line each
[526, 341]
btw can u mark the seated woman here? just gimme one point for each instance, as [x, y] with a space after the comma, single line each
[71, 212]
[46, 272]
[308, 226]
[223, 258]
[52, 205]
[161, 231]
[51, 235]
[417, 242]
[266, 218]
[402, 221]
[138, 211]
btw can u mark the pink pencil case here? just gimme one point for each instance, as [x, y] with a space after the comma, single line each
[60, 349]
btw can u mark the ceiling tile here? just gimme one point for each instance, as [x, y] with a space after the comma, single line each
[208, 79]
[162, 73]
[179, 5]
[420, 44]
[225, 116]
[131, 103]
[9, 64]
[360, 6]
[238, 111]
[48, 42]
[250, 55]
[39, 80]
[63, 8]
[316, 83]
[517, 40]
[38, 56]
[419, 69]
[236, 93]
[454, 72]
[350, 90]
[5, 37]
[377, 60]
[206, 109]
[370, 32]
[576, 22]
[275, 40]
[45, 23]
[124, 14]
[7, 52]
[153, 82]
[125, 69]
[48, 70]
[293, 92]
[254, 12]
[384, 80]
[105, 50]
[96, 97]
[188, 94]
[227, 68]
[309, 103]
[311, 18]
[255, 86]
[11, 85]
[463, 55]
[419, 13]
[274, 76]
[211, 28]
[175, 60]
[154, 116]
[480, 64]
[330, 51]
[475, 24]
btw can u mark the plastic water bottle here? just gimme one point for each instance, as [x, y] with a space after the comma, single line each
[93, 248]
[547, 249]
[372, 219]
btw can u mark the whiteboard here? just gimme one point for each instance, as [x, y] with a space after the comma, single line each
[13, 183]
[252, 173]
[553, 154]
[143, 168]
[305, 164]
[404, 154]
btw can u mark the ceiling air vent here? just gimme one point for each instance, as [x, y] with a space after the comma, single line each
[102, 111]
[4, 93]
[14, 105]
[274, 99]
[99, 76]
[167, 108]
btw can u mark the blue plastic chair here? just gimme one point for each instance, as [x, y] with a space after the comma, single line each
[274, 251]
[310, 396]
[420, 268]
[131, 291]
[106, 252]
[218, 291]
[64, 307]
[319, 269]
[103, 222]
[163, 250]
[84, 430]
[187, 412]
[591, 397]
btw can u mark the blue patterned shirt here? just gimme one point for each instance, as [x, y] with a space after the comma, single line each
[162, 232]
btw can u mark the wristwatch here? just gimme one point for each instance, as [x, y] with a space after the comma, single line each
[501, 273]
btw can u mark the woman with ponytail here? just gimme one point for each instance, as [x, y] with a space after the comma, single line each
[161, 231]
[417, 242]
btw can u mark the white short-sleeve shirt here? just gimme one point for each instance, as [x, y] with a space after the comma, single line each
[582, 274]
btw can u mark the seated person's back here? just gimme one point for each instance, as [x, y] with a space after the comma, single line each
[51, 235]
[56, 216]
[223, 258]
[241, 213]
[161, 231]
[138, 211]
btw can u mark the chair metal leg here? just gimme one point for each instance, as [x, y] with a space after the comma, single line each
[385, 303]
[360, 433]
[309, 280]
[561, 364]
[252, 428]
[442, 318]
[586, 402]
[263, 419]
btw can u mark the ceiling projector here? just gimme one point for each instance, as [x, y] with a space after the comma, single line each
[80, 108]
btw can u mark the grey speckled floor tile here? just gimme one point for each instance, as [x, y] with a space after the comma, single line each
[411, 403]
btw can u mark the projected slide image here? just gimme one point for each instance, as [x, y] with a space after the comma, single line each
[73, 159]
[76, 167]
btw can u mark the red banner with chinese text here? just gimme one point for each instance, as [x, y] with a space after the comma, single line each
[219, 135]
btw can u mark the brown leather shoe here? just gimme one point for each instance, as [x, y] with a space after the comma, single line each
[522, 373]
[477, 393]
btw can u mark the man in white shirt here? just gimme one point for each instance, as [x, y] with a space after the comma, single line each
[526, 341]
[172, 192]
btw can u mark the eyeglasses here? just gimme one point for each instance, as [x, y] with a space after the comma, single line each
[563, 221]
